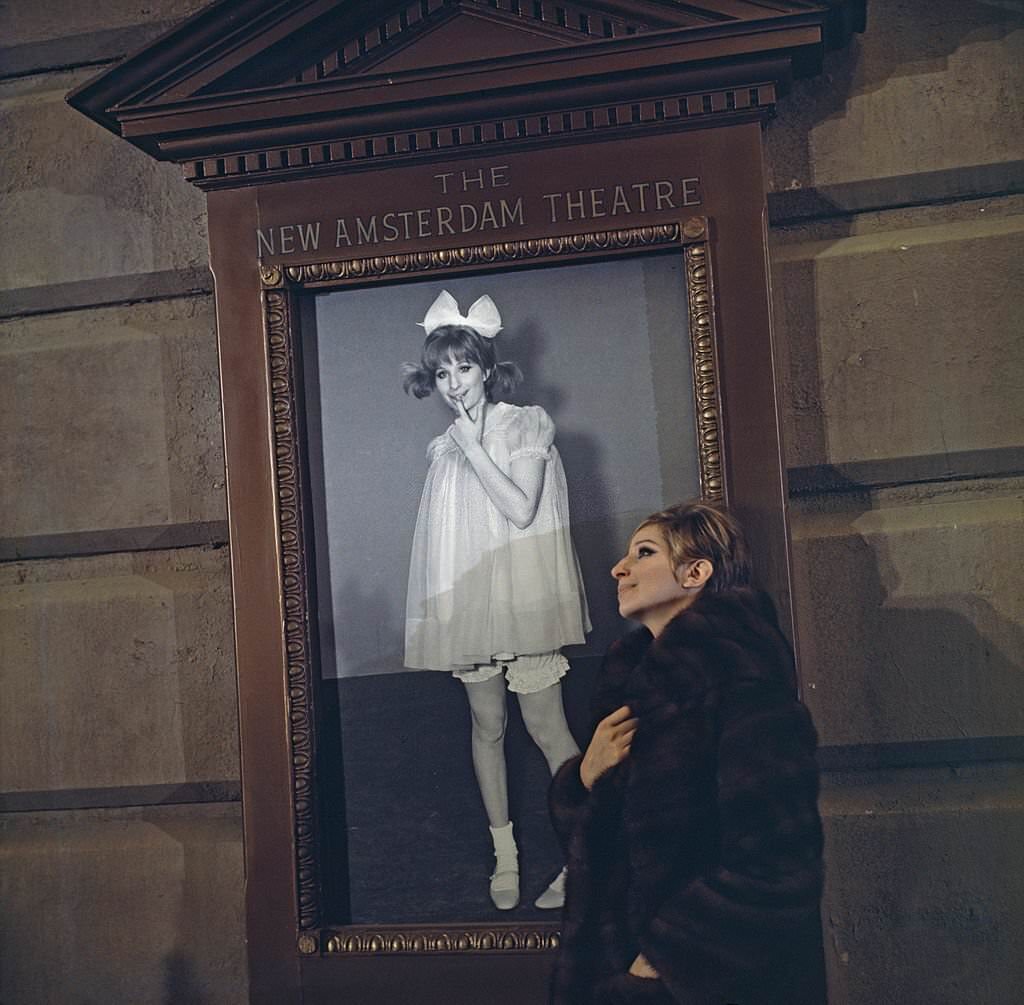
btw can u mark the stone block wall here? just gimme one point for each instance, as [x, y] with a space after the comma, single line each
[897, 245]
[897, 237]
[121, 867]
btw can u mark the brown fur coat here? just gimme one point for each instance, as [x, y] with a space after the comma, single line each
[702, 850]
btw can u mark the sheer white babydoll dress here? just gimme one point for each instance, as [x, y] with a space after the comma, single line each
[479, 587]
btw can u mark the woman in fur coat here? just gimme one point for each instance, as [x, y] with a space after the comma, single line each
[690, 824]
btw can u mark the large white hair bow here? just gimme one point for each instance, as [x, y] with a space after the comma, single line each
[483, 316]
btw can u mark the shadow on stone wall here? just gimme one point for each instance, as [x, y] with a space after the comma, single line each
[920, 40]
[903, 39]
[181, 984]
[900, 662]
[948, 656]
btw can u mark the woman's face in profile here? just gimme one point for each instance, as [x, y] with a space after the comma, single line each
[460, 380]
[648, 589]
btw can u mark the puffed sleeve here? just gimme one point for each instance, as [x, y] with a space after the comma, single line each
[438, 446]
[531, 433]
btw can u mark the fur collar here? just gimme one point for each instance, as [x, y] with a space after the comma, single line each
[722, 639]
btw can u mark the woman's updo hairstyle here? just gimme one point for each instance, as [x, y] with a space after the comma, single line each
[462, 344]
[702, 530]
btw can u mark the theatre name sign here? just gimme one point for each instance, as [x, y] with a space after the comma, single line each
[494, 201]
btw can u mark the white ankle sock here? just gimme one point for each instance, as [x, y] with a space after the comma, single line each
[504, 841]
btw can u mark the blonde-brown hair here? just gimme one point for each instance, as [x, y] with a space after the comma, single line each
[701, 530]
[462, 344]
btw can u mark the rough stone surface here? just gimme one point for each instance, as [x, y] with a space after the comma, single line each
[924, 888]
[43, 20]
[928, 87]
[135, 906]
[898, 335]
[900, 332]
[910, 607]
[117, 671]
[78, 203]
[111, 419]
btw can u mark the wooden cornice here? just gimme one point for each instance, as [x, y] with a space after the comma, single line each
[249, 90]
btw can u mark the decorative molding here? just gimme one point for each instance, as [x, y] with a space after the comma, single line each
[301, 718]
[307, 945]
[254, 90]
[572, 21]
[489, 939]
[279, 288]
[700, 294]
[686, 111]
[497, 253]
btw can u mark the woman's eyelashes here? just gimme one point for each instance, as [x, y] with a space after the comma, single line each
[644, 551]
[442, 374]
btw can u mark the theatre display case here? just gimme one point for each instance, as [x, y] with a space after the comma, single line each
[597, 170]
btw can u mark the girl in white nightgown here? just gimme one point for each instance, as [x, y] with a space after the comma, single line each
[494, 584]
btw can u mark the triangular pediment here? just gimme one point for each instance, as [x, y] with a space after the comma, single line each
[244, 73]
[238, 45]
[241, 45]
[418, 40]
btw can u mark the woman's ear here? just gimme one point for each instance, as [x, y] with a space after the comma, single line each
[696, 574]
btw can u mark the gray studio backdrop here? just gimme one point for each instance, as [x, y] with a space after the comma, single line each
[604, 348]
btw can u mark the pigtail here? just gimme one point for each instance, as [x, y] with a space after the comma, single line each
[461, 343]
[418, 379]
[503, 380]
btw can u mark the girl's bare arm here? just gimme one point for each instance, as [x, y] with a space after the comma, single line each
[516, 496]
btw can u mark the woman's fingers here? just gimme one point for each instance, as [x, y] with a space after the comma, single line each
[619, 726]
[609, 745]
[628, 728]
[617, 720]
[464, 413]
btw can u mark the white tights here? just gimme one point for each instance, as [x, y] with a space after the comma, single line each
[544, 717]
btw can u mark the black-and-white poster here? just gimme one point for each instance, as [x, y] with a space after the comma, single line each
[439, 604]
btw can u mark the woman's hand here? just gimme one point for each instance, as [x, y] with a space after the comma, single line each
[468, 432]
[609, 745]
[641, 968]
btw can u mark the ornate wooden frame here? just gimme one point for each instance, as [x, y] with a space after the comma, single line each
[280, 288]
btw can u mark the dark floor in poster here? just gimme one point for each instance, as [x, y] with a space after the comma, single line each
[418, 847]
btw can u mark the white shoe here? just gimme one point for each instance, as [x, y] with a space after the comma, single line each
[554, 895]
[505, 882]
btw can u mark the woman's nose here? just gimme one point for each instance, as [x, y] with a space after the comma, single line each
[619, 569]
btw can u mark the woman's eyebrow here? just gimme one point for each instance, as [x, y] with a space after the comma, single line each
[646, 540]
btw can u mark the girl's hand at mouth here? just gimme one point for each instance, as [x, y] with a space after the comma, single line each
[467, 431]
